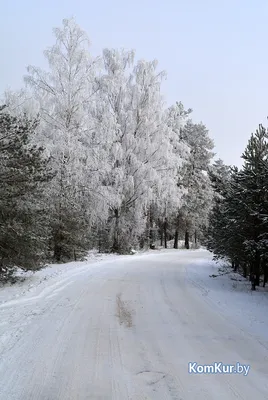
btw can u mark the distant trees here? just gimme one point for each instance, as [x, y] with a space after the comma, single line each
[90, 156]
[112, 166]
[197, 203]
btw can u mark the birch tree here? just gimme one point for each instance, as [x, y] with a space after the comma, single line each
[139, 140]
[65, 93]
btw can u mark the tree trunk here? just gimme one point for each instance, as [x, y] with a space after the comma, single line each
[99, 240]
[236, 265]
[265, 273]
[195, 237]
[148, 230]
[245, 270]
[186, 242]
[57, 252]
[257, 269]
[160, 231]
[58, 239]
[161, 237]
[176, 239]
[257, 280]
[252, 277]
[58, 235]
[115, 246]
[165, 232]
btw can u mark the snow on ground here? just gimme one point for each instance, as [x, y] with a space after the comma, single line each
[35, 282]
[38, 281]
[231, 294]
[126, 327]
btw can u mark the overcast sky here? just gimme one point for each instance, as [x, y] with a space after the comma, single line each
[214, 52]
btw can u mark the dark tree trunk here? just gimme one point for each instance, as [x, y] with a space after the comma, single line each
[245, 270]
[195, 237]
[2, 270]
[58, 235]
[176, 239]
[148, 230]
[165, 232]
[57, 252]
[151, 232]
[265, 273]
[115, 246]
[257, 269]
[99, 241]
[160, 230]
[257, 280]
[187, 244]
[253, 277]
[236, 265]
[161, 237]
[58, 239]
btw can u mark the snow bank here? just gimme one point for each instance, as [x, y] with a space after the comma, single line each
[36, 281]
[231, 294]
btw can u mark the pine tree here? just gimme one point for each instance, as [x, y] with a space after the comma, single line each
[197, 200]
[217, 234]
[252, 181]
[238, 223]
[23, 173]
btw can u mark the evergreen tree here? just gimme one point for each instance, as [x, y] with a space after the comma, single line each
[197, 200]
[238, 223]
[252, 181]
[23, 172]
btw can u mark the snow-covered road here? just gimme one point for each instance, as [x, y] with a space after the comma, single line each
[127, 329]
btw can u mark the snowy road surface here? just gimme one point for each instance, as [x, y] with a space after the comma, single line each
[127, 329]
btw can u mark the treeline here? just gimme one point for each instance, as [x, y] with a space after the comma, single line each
[238, 223]
[90, 156]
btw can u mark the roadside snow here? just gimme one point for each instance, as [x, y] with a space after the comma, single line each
[231, 294]
[35, 282]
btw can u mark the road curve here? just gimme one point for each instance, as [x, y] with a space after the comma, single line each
[128, 331]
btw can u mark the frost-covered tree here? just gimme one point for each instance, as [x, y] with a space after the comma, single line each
[177, 117]
[65, 93]
[197, 201]
[21, 102]
[141, 163]
[123, 163]
[23, 173]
